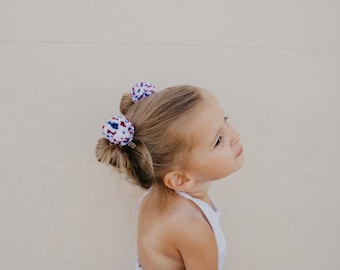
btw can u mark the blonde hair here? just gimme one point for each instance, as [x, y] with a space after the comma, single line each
[161, 135]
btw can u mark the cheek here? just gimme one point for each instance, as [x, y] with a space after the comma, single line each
[222, 162]
[227, 155]
[227, 161]
[227, 166]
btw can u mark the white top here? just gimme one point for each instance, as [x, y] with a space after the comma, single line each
[213, 216]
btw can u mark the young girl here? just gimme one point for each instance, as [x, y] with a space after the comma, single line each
[174, 143]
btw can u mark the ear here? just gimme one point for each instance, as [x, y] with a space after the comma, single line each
[177, 180]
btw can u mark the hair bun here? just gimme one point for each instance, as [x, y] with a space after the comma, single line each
[142, 90]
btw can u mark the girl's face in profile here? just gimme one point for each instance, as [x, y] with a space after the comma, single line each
[217, 150]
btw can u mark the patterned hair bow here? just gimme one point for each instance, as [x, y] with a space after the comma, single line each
[142, 90]
[119, 131]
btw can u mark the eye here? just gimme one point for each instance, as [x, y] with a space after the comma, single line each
[219, 140]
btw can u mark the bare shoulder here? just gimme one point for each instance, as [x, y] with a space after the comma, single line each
[179, 238]
[195, 239]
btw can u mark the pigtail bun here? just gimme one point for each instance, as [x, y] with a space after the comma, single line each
[111, 154]
[136, 162]
[126, 103]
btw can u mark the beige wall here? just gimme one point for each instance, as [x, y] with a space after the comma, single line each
[275, 67]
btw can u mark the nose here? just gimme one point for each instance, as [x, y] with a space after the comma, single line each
[234, 135]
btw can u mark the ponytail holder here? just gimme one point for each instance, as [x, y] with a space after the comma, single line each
[142, 90]
[119, 131]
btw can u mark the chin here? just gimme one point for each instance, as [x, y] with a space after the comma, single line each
[240, 162]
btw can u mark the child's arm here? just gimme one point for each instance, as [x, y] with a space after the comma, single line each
[197, 245]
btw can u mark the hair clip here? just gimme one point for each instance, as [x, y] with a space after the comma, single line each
[142, 90]
[119, 131]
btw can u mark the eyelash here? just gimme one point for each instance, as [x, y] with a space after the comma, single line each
[219, 140]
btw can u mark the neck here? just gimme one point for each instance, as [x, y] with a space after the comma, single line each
[200, 191]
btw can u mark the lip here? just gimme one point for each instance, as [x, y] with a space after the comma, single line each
[240, 151]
